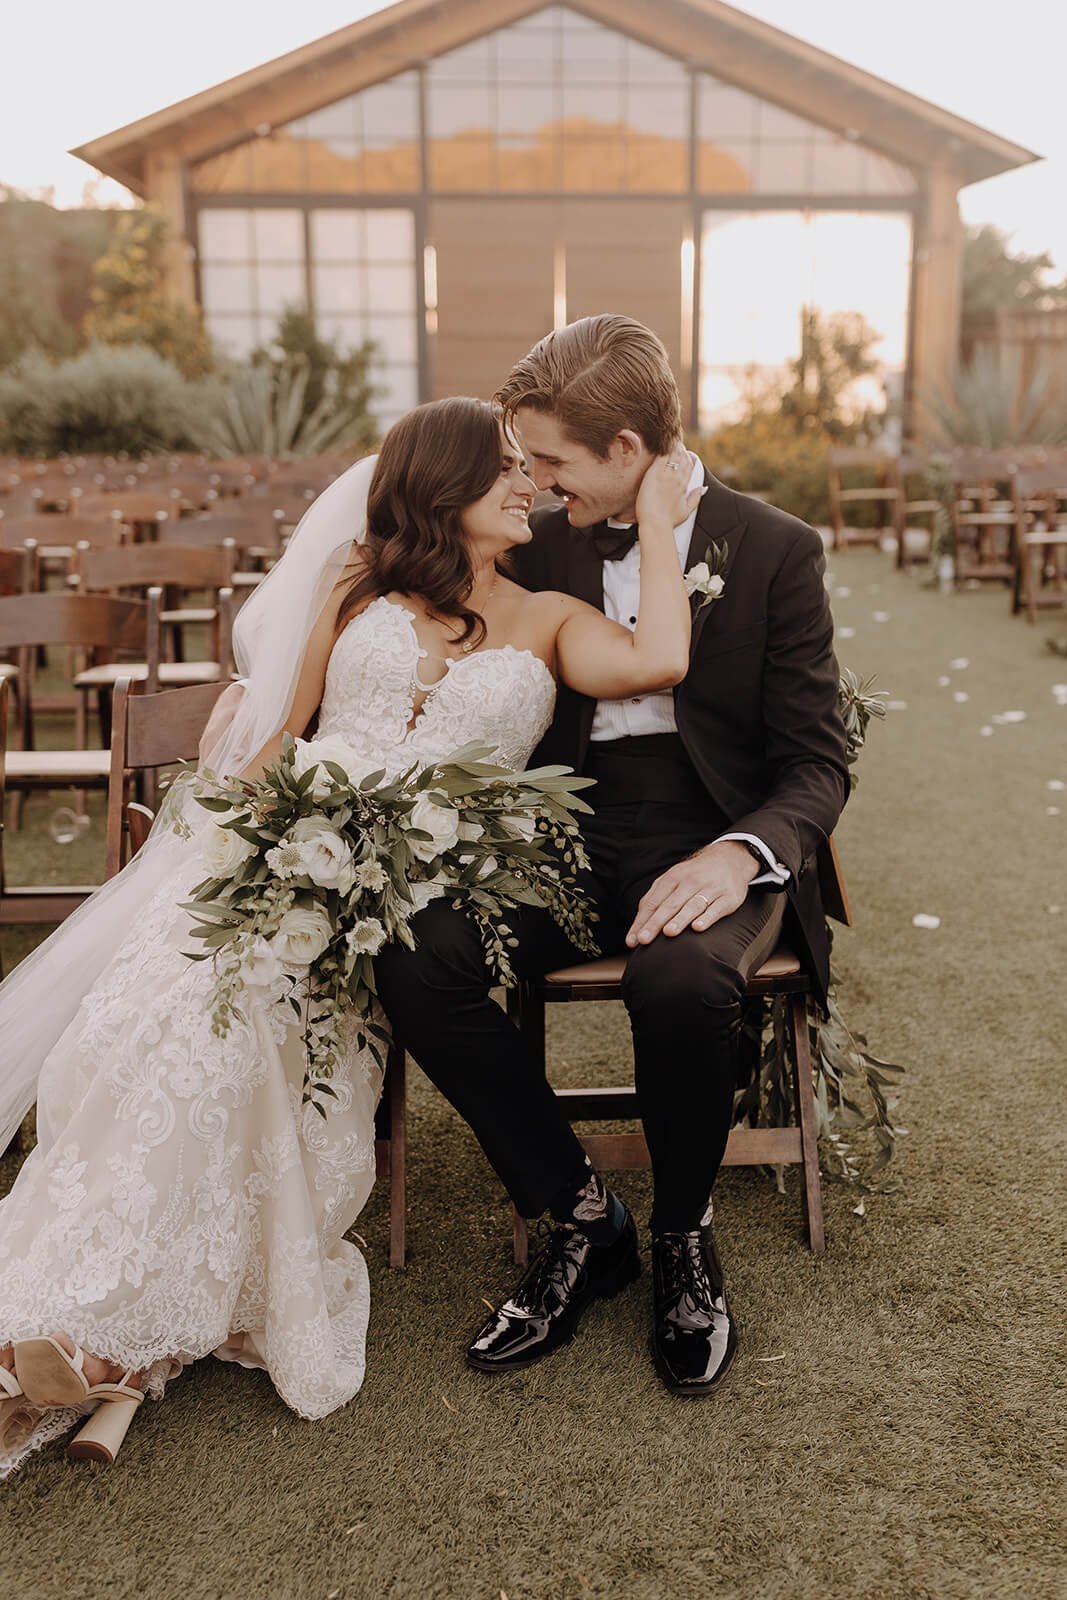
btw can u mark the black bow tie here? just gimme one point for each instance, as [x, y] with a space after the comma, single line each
[611, 544]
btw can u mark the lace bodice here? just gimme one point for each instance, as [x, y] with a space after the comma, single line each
[500, 697]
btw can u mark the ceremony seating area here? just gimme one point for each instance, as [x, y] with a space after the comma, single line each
[993, 516]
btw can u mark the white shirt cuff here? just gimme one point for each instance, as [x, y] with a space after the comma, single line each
[777, 873]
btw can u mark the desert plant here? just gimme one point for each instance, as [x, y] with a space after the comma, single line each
[100, 401]
[988, 403]
[261, 409]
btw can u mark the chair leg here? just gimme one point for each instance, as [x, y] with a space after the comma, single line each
[398, 1149]
[805, 1093]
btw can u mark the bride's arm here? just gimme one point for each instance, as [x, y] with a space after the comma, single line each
[310, 684]
[601, 658]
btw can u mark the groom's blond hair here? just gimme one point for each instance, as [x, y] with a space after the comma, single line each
[598, 376]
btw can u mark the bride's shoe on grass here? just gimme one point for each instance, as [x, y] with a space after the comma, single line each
[50, 1376]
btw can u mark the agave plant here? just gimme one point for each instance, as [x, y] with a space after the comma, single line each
[258, 409]
[989, 405]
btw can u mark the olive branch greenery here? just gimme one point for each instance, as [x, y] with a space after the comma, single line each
[852, 1085]
[508, 839]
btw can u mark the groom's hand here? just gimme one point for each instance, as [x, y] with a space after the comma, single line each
[697, 892]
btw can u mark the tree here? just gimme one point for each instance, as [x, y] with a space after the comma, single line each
[826, 392]
[46, 274]
[129, 302]
[997, 279]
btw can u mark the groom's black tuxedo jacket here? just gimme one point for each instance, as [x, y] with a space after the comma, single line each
[757, 711]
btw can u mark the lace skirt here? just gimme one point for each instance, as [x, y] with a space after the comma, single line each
[183, 1193]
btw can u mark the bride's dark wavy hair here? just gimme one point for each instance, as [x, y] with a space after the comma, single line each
[433, 463]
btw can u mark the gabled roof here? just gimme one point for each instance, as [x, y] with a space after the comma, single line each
[705, 33]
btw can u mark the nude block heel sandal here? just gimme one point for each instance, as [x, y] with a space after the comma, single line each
[102, 1436]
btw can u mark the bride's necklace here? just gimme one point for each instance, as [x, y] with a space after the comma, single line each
[428, 689]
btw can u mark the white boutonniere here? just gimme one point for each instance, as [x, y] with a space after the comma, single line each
[705, 578]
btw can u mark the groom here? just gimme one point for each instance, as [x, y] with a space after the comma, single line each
[711, 801]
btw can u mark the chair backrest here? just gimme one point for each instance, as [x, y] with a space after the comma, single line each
[245, 533]
[141, 565]
[18, 569]
[1050, 478]
[92, 620]
[832, 884]
[55, 532]
[134, 505]
[858, 456]
[149, 731]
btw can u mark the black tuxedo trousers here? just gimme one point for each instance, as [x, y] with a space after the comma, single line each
[683, 996]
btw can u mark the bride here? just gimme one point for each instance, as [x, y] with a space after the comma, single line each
[180, 1200]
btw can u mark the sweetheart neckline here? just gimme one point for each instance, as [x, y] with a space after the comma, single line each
[459, 661]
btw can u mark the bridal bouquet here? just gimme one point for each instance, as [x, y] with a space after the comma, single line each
[316, 865]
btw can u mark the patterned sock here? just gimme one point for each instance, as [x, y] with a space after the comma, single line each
[592, 1207]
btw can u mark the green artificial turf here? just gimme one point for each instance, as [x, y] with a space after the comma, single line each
[891, 1427]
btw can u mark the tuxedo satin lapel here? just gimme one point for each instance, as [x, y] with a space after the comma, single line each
[585, 569]
[716, 520]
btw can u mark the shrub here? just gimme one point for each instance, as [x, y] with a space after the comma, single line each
[261, 409]
[130, 303]
[102, 401]
[767, 455]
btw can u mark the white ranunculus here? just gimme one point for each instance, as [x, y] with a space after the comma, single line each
[423, 893]
[440, 822]
[260, 967]
[308, 753]
[302, 936]
[366, 937]
[325, 855]
[224, 850]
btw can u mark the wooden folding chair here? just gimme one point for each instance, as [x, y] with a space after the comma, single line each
[884, 492]
[1039, 495]
[150, 731]
[141, 509]
[983, 516]
[19, 574]
[175, 568]
[92, 621]
[781, 978]
[910, 470]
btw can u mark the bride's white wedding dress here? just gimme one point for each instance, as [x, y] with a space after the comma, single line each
[186, 1195]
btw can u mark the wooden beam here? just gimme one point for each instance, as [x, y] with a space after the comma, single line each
[936, 313]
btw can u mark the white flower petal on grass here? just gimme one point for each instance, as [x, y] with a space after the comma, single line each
[1059, 693]
[1052, 811]
[922, 919]
[879, 616]
[961, 697]
[1053, 911]
[986, 731]
[1004, 717]
[846, 633]
[1057, 785]
[843, 593]
[960, 664]
[943, 682]
[896, 705]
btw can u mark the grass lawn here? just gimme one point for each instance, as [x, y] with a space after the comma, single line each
[890, 1427]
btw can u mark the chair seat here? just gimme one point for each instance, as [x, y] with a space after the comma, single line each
[608, 970]
[246, 580]
[8, 670]
[190, 614]
[172, 673]
[869, 494]
[26, 764]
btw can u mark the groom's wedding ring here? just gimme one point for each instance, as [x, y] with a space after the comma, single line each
[705, 899]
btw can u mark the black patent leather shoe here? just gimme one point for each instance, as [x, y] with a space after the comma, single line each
[550, 1297]
[694, 1337]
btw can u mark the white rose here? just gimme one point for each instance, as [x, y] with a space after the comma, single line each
[224, 850]
[302, 936]
[260, 967]
[716, 585]
[325, 856]
[440, 822]
[697, 577]
[310, 753]
[469, 832]
[366, 937]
